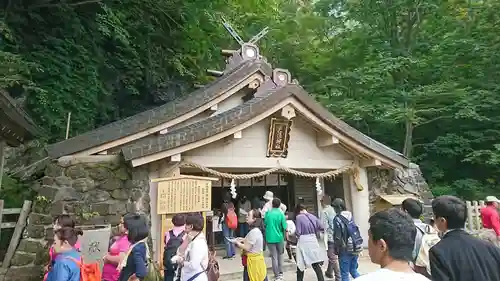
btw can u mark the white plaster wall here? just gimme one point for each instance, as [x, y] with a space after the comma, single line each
[250, 150]
[155, 218]
[346, 184]
[361, 204]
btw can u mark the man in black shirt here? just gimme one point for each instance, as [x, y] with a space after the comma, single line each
[460, 256]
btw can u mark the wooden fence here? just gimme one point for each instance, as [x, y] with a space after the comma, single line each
[18, 229]
[473, 223]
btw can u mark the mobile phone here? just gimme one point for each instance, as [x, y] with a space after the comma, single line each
[230, 239]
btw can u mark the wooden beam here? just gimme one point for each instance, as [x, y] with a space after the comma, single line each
[254, 84]
[370, 163]
[1, 215]
[215, 73]
[238, 135]
[227, 53]
[7, 225]
[175, 158]
[184, 177]
[16, 236]
[323, 140]
[288, 112]
[3, 144]
[11, 211]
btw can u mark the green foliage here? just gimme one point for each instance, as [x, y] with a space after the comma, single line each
[14, 192]
[421, 77]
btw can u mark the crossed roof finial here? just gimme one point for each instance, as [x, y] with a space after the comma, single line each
[237, 37]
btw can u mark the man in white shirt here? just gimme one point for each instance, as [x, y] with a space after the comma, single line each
[269, 196]
[391, 239]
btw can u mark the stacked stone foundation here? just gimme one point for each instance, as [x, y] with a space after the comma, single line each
[96, 190]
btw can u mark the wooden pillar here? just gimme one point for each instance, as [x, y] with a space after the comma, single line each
[361, 203]
[2, 159]
[161, 222]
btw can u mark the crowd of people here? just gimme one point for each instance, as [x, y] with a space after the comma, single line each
[128, 257]
[399, 241]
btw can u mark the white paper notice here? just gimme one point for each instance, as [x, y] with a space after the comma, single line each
[216, 227]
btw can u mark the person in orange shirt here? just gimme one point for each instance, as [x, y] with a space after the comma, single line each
[490, 221]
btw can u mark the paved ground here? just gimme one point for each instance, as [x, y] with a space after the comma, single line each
[231, 270]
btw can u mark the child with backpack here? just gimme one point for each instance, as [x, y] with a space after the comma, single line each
[61, 221]
[348, 242]
[67, 261]
[173, 240]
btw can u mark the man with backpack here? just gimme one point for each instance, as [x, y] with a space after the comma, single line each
[229, 223]
[348, 242]
[425, 238]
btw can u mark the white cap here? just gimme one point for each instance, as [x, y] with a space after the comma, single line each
[492, 199]
[268, 196]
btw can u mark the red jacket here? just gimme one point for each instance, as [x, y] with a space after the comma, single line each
[490, 219]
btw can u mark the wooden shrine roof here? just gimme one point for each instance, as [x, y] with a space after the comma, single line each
[156, 116]
[16, 126]
[259, 104]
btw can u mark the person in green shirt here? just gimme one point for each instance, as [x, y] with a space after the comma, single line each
[275, 223]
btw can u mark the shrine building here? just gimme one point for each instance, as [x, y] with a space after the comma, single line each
[252, 118]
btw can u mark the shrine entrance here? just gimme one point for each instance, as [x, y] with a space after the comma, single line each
[253, 189]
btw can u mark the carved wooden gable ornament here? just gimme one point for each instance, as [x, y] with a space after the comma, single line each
[279, 135]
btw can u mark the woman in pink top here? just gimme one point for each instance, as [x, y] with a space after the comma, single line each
[59, 222]
[115, 255]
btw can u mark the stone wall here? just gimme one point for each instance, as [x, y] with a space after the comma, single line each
[407, 181]
[95, 189]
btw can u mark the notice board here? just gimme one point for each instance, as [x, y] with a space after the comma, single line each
[184, 195]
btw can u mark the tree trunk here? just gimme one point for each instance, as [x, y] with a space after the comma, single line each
[408, 146]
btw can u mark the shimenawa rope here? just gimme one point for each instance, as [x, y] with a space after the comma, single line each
[329, 174]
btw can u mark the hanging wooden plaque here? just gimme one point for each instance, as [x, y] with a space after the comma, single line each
[184, 194]
[279, 135]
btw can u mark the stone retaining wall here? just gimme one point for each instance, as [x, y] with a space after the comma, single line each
[407, 181]
[96, 190]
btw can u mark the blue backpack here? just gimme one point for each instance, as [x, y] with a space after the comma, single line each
[352, 231]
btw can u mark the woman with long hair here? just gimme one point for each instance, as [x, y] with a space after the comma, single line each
[309, 253]
[133, 266]
[66, 264]
[254, 266]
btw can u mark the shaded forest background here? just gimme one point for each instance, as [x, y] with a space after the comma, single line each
[420, 76]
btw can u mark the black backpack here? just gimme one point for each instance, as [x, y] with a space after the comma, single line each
[174, 242]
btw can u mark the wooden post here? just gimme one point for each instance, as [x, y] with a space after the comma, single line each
[1, 216]
[470, 224]
[16, 236]
[477, 223]
[2, 159]
[67, 125]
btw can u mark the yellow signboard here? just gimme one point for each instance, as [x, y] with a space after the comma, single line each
[184, 194]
